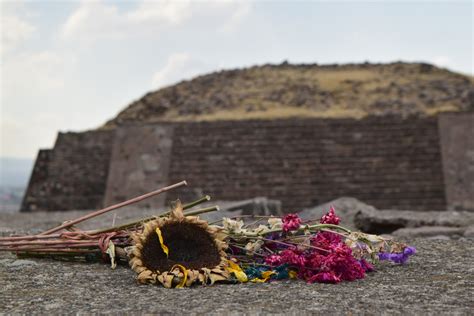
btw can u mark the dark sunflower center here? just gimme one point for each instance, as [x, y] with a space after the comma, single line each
[188, 245]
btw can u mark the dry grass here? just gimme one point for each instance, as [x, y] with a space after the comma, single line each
[273, 92]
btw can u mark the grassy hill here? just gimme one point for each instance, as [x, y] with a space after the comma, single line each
[309, 90]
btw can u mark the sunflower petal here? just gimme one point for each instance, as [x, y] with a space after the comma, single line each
[265, 277]
[185, 275]
[216, 277]
[192, 276]
[160, 237]
[166, 279]
[237, 271]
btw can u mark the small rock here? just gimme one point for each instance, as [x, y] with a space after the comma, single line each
[429, 231]
[5, 262]
[52, 306]
[469, 232]
[346, 209]
[387, 221]
[439, 237]
[5, 231]
[21, 263]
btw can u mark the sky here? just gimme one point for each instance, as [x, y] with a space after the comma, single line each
[72, 65]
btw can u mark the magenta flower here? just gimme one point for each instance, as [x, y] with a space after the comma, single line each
[293, 257]
[330, 217]
[325, 277]
[367, 266]
[274, 260]
[325, 240]
[291, 222]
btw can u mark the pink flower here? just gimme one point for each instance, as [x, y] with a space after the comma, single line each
[325, 277]
[293, 257]
[330, 217]
[325, 240]
[273, 260]
[344, 264]
[291, 222]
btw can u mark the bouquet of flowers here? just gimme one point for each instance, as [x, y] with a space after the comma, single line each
[178, 249]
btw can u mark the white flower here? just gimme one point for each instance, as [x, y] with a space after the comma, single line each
[233, 226]
[275, 223]
[261, 229]
[253, 247]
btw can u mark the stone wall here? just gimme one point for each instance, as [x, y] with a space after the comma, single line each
[141, 158]
[73, 175]
[386, 162]
[457, 144]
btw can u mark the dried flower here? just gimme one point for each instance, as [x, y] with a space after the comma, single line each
[233, 226]
[275, 223]
[291, 222]
[368, 267]
[274, 260]
[325, 277]
[400, 257]
[253, 246]
[330, 217]
[177, 251]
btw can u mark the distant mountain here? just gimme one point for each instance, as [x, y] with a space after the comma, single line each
[308, 90]
[14, 176]
[15, 172]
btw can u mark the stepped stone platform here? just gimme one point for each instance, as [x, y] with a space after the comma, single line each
[438, 280]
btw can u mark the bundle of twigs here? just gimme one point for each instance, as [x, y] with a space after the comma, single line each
[66, 241]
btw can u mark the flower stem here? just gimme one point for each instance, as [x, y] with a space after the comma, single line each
[112, 207]
[147, 219]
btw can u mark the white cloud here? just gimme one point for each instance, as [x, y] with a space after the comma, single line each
[34, 104]
[172, 12]
[179, 66]
[239, 12]
[95, 20]
[14, 30]
[37, 73]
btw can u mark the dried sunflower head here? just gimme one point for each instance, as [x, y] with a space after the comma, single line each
[178, 251]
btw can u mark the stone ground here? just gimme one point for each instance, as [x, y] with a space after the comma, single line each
[438, 280]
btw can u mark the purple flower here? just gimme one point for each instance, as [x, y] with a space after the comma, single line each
[399, 258]
[366, 265]
[408, 251]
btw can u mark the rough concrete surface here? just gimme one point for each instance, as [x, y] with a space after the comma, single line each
[438, 280]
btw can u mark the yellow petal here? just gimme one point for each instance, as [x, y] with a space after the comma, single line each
[237, 271]
[267, 274]
[257, 280]
[292, 274]
[185, 275]
[160, 237]
[265, 277]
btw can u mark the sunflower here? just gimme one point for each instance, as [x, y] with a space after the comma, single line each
[178, 251]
